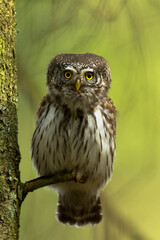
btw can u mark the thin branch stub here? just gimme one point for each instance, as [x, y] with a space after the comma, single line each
[43, 181]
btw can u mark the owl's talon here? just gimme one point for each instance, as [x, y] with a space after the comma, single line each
[74, 174]
[78, 177]
[83, 180]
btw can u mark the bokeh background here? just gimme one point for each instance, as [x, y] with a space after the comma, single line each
[127, 34]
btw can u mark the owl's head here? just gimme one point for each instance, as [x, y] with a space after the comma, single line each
[76, 78]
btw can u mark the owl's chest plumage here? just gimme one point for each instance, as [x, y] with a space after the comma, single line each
[77, 141]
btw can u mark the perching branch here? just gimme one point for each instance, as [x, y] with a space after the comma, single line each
[40, 182]
[113, 214]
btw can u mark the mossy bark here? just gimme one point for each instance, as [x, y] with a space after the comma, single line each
[9, 150]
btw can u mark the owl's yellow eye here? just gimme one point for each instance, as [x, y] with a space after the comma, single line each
[68, 74]
[89, 76]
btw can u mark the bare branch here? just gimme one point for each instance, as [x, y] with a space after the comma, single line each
[40, 182]
[114, 216]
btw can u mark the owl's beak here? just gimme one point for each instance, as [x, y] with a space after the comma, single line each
[77, 84]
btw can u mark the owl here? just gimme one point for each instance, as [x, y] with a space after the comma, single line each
[75, 132]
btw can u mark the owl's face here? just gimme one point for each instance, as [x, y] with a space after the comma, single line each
[77, 78]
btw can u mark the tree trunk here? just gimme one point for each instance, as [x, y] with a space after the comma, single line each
[9, 150]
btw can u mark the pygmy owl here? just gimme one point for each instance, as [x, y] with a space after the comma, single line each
[75, 132]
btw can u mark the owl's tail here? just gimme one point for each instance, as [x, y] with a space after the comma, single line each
[77, 212]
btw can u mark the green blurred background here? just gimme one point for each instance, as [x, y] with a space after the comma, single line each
[127, 34]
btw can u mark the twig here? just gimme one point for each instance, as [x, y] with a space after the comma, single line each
[109, 209]
[40, 182]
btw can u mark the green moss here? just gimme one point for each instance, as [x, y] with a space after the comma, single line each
[9, 150]
[2, 46]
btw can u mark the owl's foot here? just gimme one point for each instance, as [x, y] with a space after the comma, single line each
[79, 177]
